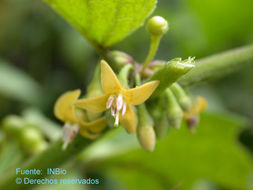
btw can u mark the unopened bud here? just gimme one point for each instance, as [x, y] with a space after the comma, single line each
[121, 58]
[170, 73]
[161, 127]
[157, 26]
[146, 137]
[30, 139]
[124, 75]
[40, 147]
[175, 113]
[145, 130]
[13, 125]
[159, 114]
[183, 99]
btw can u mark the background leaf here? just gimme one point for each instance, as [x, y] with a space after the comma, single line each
[213, 155]
[104, 22]
[17, 85]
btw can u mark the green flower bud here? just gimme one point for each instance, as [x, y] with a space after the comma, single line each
[161, 127]
[30, 138]
[145, 131]
[158, 110]
[121, 58]
[39, 147]
[124, 74]
[146, 137]
[13, 125]
[170, 73]
[157, 26]
[175, 113]
[183, 99]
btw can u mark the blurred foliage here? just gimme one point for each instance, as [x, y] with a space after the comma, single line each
[213, 155]
[44, 56]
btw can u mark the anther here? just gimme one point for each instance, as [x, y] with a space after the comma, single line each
[119, 102]
[113, 111]
[124, 109]
[109, 101]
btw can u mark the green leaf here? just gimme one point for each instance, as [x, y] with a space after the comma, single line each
[213, 155]
[104, 22]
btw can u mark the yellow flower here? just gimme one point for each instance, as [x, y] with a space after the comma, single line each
[118, 99]
[65, 111]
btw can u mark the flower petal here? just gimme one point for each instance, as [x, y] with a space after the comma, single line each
[96, 104]
[201, 104]
[140, 94]
[129, 120]
[95, 126]
[109, 80]
[64, 109]
[88, 135]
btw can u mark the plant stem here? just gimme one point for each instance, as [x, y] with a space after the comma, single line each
[218, 65]
[155, 41]
[53, 157]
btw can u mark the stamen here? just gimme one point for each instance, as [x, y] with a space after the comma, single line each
[124, 109]
[113, 111]
[119, 102]
[116, 123]
[109, 101]
[69, 133]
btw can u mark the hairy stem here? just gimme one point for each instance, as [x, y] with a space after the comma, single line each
[218, 65]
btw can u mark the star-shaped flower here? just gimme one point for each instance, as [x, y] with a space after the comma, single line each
[118, 99]
[75, 121]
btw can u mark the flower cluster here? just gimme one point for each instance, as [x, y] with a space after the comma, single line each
[119, 101]
[109, 96]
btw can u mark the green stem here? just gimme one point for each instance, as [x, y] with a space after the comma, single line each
[53, 157]
[155, 41]
[218, 65]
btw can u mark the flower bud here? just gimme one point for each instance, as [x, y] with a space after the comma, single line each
[13, 125]
[146, 137]
[121, 58]
[39, 147]
[183, 99]
[30, 139]
[157, 26]
[161, 127]
[124, 74]
[145, 130]
[170, 73]
[158, 112]
[175, 113]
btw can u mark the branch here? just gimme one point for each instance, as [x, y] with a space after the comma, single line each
[218, 65]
